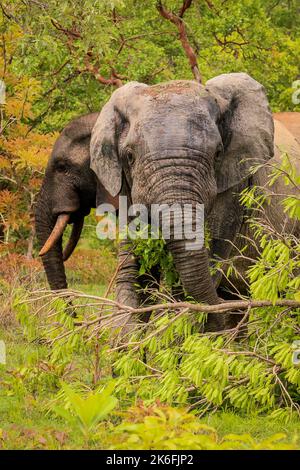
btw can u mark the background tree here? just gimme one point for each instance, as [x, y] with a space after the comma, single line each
[23, 156]
[64, 58]
[80, 50]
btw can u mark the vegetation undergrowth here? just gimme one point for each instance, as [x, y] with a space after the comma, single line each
[171, 385]
[36, 413]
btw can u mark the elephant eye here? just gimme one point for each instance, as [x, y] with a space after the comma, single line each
[130, 157]
[61, 167]
[218, 157]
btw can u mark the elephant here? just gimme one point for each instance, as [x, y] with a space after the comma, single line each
[291, 121]
[72, 147]
[286, 141]
[182, 142]
[67, 195]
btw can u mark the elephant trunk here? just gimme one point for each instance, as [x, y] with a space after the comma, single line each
[53, 259]
[193, 269]
[74, 238]
[190, 257]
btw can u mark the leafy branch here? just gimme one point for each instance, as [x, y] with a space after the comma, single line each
[90, 60]
[177, 20]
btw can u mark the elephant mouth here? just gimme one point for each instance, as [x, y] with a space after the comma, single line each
[61, 223]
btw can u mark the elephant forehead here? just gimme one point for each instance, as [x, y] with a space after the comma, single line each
[185, 116]
[180, 99]
[176, 87]
[69, 149]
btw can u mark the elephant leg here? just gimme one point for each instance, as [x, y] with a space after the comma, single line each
[132, 290]
[149, 283]
[126, 292]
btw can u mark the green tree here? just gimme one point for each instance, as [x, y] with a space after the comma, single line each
[81, 50]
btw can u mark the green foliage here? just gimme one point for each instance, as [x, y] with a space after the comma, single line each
[75, 48]
[152, 253]
[167, 428]
[212, 372]
[274, 274]
[89, 411]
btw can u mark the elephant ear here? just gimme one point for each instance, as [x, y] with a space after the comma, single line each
[246, 127]
[105, 138]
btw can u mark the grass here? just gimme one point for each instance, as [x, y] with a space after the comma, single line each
[260, 427]
[24, 422]
[92, 289]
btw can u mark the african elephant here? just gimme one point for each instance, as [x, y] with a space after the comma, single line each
[67, 195]
[286, 141]
[181, 142]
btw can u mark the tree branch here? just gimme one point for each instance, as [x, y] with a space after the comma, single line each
[177, 20]
[223, 307]
[89, 59]
[186, 4]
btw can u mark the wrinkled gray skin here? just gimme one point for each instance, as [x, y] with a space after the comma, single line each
[287, 140]
[181, 142]
[69, 186]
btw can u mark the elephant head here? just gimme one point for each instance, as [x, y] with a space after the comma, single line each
[67, 195]
[181, 142]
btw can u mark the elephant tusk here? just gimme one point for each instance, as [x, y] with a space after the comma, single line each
[58, 230]
[75, 235]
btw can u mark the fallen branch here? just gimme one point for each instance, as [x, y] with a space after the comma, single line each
[223, 307]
